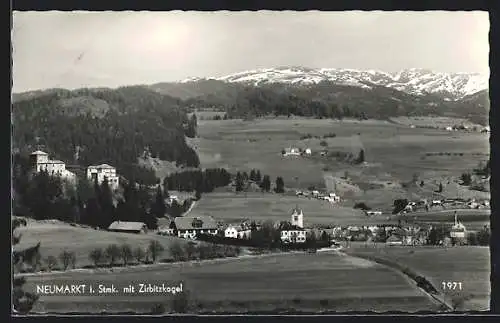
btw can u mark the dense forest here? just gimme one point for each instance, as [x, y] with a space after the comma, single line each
[323, 100]
[92, 126]
[41, 197]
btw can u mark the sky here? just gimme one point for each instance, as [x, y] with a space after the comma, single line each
[109, 49]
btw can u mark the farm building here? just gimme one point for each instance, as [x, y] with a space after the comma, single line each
[372, 213]
[102, 171]
[128, 227]
[40, 162]
[308, 151]
[188, 227]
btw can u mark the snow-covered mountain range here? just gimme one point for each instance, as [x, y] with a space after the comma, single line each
[450, 86]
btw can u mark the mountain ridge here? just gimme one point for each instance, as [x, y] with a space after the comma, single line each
[416, 81]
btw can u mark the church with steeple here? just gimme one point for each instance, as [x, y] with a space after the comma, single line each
[297, 217]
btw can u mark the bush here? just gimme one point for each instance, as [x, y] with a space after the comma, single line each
[177, 252]
[323, 302]
[67, 258]
[139, 254]
[323, 143]
[155, 248]
[362, 206]
[96, 256]
[113, 253]
[126, 253]
[330, 135]
[181, 302]
[51, 262]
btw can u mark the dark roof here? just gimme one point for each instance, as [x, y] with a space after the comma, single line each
[127, 226]
[186, 223]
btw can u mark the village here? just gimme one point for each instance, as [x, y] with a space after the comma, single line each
[290, 232]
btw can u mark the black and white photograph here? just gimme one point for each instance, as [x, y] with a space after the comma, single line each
[250, 162]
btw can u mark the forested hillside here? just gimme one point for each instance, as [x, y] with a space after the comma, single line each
[324, 99]
[93, 126]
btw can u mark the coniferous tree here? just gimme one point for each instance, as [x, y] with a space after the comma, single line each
[239, 182]
[258, 177]
[159, 207]
[280, 185]
[266, 183]
[22, 301]
[105, 199]
[252, 175]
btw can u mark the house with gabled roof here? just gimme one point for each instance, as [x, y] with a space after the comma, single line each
[189, 227]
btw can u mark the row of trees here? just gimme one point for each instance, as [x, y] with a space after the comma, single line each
[202, 181]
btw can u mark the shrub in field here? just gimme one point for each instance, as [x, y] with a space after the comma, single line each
[139, 254]
[362, 206]
[323, 143]
[51, 262]
[67, 258]
[177, 252]
[181, 302]
[323, 302]
[126, 253]
[190, 250]
[96, 256]
[112, 253]
[466, 179]
[155, 249]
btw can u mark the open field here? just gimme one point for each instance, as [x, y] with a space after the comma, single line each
[433, 121]
[394, 154]
[56, 237]
[301, 281]
[468, 265]
[232, 207]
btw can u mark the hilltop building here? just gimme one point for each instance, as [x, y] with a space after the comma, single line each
[40, 162]
[102, 171]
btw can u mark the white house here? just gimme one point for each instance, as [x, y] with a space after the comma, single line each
[449, 128]
[308, 151]
[293, 235]
[102, 171]
[40, 162]
[237, 232]
[372, 213]
[297, 217]
[291, 152]
[189, 227]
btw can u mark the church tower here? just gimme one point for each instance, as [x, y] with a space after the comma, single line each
[297, 217]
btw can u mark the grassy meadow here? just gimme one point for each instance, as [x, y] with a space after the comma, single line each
[56, 237]
[468, 265]
[232, 207]
[323, 281]
[394, 154]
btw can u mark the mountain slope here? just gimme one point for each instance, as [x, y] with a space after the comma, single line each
[450, 86]
[93, 126]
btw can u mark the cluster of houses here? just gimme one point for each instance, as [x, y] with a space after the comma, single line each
[40, 162]
[330, 197]
[293, 151]
[463, 127]
[424, 204]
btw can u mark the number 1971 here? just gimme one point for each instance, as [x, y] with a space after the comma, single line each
[451, 285]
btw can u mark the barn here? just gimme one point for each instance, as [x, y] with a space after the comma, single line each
[128, 227]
